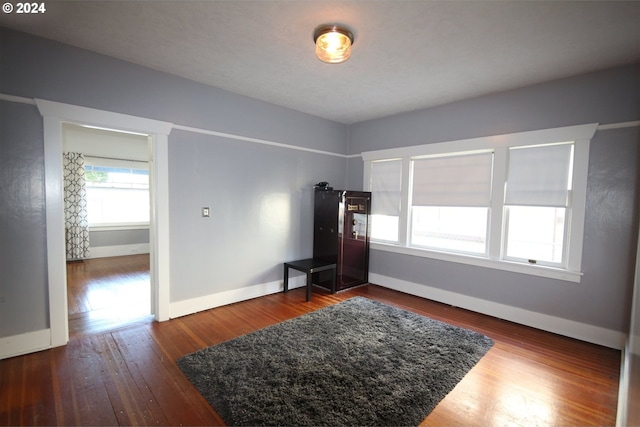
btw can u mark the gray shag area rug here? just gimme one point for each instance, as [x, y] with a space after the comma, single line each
[359, 362]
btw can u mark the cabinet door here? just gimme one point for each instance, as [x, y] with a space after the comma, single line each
[355, 242]
[325, 232]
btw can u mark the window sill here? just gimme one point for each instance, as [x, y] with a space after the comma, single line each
[534, 270]
[119, 227]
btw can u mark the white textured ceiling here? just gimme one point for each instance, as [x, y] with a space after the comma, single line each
[407, 55]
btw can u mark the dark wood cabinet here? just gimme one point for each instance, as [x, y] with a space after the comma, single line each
[341, 235]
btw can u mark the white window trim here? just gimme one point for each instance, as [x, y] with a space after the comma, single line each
[119, 227]
[580, 134]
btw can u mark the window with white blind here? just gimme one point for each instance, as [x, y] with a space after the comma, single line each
[537, 201]
[514, 202]
[450, 200]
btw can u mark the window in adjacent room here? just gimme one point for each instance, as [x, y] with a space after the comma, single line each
[117, 192]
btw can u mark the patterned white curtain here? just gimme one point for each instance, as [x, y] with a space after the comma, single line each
[75, 207]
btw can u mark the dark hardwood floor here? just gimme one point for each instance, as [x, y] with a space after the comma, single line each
[128, 375]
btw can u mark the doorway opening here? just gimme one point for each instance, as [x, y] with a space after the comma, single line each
[54, 115]
[107, 211]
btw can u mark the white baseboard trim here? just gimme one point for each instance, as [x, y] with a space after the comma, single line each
[195, 305]
[545, 322]
[17, 345]
[120, 250]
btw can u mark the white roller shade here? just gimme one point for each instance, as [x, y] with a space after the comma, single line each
[463, 180]
[539, 176]
[386, 182]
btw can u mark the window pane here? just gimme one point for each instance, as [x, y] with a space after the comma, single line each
[535, 233]
[459, 229]
[384, 227]
[115, 205]
[102, 176]
[117, 195]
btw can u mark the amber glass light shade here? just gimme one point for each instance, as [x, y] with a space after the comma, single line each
[333, 44]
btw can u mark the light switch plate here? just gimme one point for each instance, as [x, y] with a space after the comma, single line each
[206, 212]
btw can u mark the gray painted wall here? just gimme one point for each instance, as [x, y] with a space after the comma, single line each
[100, 239]
[23, 256]
[609, 96]
[612, 96]
[261, 211]
[238, 245]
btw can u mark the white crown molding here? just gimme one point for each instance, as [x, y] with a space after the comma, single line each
[18, 99]
[620, 125]
[255, 140]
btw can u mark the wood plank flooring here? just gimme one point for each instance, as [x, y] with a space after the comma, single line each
[128, 376]
[106, 293]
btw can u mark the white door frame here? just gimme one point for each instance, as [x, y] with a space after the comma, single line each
[54, 114]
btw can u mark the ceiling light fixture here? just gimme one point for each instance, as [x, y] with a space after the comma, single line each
[333, 43]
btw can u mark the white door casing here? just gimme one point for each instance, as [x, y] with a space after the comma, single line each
[54, 114]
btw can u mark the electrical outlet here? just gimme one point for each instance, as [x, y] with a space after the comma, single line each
[206, 212]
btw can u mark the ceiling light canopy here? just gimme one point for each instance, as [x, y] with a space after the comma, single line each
[333, 43]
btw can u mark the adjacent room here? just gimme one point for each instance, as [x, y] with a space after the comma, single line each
[107, 206]
[162, 163]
